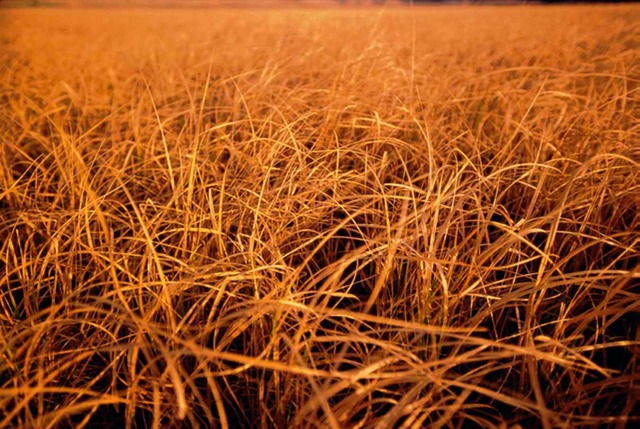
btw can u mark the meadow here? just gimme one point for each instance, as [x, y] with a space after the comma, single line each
[331, 218]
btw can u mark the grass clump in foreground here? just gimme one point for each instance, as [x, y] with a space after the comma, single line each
[319, 219]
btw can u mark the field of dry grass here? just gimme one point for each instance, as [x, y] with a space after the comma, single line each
[385, 218]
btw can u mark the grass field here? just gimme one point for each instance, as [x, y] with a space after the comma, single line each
[376, 218]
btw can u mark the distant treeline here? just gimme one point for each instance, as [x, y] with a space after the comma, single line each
[514, 1]
[190, 3]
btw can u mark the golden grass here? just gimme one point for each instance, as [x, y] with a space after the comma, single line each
[287, 218]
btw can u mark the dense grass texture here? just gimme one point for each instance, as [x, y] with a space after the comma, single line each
[376, 218]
